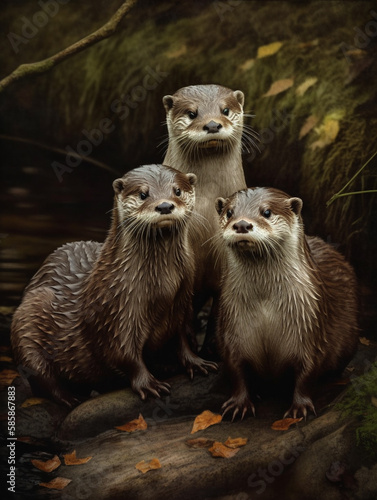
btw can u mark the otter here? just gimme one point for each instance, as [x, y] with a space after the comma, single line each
[205, 125]
[288, 301]
[92, 308]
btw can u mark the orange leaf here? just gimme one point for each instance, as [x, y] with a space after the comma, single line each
[48, 465]
[220, 450]
[6, 359]
[32, 402]
[200, 443]
[144, 466]
[204, 420]
[235, 443]
[327, 133]
[310, 122]
[283, 425]
[139, 424]
[364, 341]
[70, 459]
[59, 483]
[7, 376]
[279, 86]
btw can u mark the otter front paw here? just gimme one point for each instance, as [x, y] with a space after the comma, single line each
[238, 404]
[300, 407]
[148, 384]
[194, 363]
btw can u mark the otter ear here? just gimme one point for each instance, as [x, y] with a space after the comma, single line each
[118, 185]
[296, 205]
[191, 178]
[168, 102]
[219, 204]
[239, 95]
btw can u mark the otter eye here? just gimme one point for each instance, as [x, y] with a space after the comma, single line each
[178, 192]
[226, 111]
[192, 114]
[266, 213]
[143, 196]
[229, 213]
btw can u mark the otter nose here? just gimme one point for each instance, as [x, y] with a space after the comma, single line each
[242, 227]
[212, 127]
[165, 208]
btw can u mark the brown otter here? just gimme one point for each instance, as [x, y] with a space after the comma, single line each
[288, 301]
[92, 308]
[205, 124]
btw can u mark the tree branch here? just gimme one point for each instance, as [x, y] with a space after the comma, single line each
[107, 30]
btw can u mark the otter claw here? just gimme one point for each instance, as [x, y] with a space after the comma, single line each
[300, 409]
[237, 405]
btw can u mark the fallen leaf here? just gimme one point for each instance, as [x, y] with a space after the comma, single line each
[59, 483]
[279, 86]
[364, 341]
[204, 420]
[48, 465]
[284, 424]
[32, 401]
[310, 123]
[327, 133]
[139, 424]
[220, 450]
[268, 50]
[70, 459]
[236, 442]
[301, 89]
[374, 401]
[248, 64]
[144, 466]
[7, 377]
[200, 443]
[6, 359]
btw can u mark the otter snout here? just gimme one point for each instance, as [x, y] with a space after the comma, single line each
[165, 208]
[242, 227]
[212, 127]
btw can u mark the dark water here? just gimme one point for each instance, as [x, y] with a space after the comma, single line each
[39, 213]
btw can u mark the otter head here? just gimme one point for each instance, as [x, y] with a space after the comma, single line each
[264, 221]
[204, 119]
[152, 197]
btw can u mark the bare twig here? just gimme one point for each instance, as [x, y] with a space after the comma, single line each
[107, 30]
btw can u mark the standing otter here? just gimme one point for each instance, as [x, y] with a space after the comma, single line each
[288, 301]
[92, 308]
[205, 124]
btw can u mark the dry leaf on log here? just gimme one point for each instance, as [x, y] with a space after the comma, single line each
[48, 465]
[200, 443]
[144, 466]
[236, 442]
[139, 424]
[204, 420]
[71, 459]
[59, 483]
[284, 424]
[220, 450]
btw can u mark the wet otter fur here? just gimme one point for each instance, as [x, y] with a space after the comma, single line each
[288, 301]
[92, 308]
[206, 136]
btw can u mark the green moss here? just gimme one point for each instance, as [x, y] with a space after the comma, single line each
[358, 404]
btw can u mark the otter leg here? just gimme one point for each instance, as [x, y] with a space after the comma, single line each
[240, 400]
[143, 382]
[190, 360]
[302, 402]
[50, 386]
